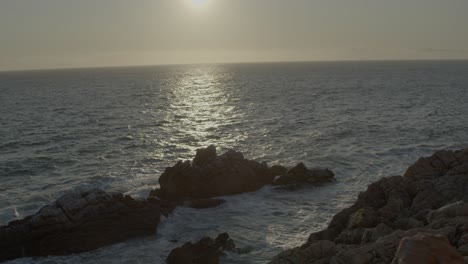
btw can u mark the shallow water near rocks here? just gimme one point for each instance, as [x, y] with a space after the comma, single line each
[118, 128]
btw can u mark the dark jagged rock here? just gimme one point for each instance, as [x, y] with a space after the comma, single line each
[300, 174]
[205, 251]
[205, 156]
[210, 175]
[79, 222]
[278, 170]
[429, 198]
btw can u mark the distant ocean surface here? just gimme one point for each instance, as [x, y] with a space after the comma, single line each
[118, 128]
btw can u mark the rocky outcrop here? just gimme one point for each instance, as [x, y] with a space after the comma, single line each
[79, 222]
[205, 251]
[210, 175]
[300, 175]
[427, 249]
[429, 198]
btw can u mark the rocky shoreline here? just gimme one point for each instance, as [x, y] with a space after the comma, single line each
[420, 217]
[78, 222]
[83, 221]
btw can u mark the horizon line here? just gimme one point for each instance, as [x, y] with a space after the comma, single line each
[219, 63]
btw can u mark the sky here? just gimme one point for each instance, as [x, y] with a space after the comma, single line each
[36, 34]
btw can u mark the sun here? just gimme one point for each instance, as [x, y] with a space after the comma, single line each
[196, 5]
[198, 2]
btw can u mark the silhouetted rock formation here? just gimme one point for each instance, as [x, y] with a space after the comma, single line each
[205, 251]
[278, 170]
[210, 175]
[300, 175]
[79, 222]
[428, 198]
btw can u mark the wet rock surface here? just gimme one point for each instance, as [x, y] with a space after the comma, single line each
[430, 198]
[205, 251]
[79, 222]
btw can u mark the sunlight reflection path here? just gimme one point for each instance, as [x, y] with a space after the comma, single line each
[203, 111]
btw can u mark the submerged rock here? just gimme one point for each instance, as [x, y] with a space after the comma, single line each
[79, 222]
[205, 251]
[429, 198]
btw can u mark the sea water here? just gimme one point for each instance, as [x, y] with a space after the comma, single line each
[118, 128]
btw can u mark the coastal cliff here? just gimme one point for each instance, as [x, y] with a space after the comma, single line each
[420, 217]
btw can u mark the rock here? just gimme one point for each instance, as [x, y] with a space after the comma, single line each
[462, 243]
[463, 250]
[430, 198]
[300, 174]
[205, 251]
[319, 252]
[205, 156]
[79, 222]
[407, 223]
[210, 176]
[381, 251]
[371, 235]
[350, 236]
[459, 208]
[427, 249]
[278, 170]
[430, 167]
[363, 218]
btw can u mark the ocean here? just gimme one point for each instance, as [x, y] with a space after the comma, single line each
[118, 128]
